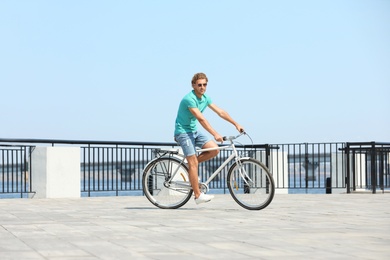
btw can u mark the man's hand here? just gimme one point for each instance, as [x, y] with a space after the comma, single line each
[240, 128]
[218, 138]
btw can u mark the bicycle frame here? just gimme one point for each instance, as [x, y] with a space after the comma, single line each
[233, 155]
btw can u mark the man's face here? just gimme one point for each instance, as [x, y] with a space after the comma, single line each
[200, 87]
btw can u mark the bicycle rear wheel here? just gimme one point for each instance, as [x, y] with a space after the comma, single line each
[251, 184]
[156, 187]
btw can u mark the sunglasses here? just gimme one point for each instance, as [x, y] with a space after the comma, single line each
[204, 85]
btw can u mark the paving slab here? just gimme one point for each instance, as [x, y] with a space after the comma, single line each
[293, 226]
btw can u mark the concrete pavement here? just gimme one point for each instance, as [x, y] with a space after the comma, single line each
[321, 226]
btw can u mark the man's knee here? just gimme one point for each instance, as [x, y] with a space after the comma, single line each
[214, 153]
[211, 144]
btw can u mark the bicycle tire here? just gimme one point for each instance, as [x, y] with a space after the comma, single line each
[256, 193]
[154, 178]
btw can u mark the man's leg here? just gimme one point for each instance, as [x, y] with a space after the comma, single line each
[193, 172]
[187, 143]
[193, 162]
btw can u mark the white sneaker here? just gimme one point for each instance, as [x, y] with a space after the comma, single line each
[203, 198]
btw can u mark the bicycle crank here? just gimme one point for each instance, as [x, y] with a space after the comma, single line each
[203, 187]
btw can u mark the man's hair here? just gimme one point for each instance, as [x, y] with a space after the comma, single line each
[197, 76]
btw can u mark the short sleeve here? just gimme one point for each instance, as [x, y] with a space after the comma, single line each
[209, 101]
[191, 103]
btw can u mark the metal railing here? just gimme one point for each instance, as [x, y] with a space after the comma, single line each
[15, 172]
[115, 168]
[368, 166]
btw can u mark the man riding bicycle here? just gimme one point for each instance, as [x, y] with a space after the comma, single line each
[186, 134]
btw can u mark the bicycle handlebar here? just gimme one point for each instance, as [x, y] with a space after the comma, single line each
[231, 138]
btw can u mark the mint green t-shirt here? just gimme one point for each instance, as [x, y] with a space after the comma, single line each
[185, 120]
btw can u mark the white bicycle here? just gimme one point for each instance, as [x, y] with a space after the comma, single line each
[165, 180]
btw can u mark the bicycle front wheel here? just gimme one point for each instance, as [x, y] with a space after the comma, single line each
[251, 184]
[158, 188]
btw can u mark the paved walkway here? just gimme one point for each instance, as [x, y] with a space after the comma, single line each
[343, 226]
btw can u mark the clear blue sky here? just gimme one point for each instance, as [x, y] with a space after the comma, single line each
[288, 71]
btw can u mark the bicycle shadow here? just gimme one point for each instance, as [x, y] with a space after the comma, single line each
[181, 209]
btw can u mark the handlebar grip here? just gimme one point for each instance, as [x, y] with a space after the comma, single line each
[225, 138]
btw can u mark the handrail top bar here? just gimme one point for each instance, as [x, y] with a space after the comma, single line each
[93, 142]
[58, 141]
[367, 143]
[365, 146]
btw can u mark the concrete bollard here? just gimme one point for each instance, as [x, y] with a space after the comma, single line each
[56, 172]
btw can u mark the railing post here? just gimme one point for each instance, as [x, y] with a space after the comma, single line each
[116, 172]
[348, 175]
[267, 154]
[373, 167]
[306, 166]
[381, 171]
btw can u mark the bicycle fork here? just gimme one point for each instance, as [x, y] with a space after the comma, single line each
[247, 180]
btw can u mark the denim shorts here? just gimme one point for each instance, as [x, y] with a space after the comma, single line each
[189, 142]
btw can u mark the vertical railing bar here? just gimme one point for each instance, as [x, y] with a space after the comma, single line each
[85, 168]
[12, 171]
[107, 165]
[130, 169]
[283, 167]
[7, 183]
[137, 166]
[289, 172]
[313, 156]
[334, 171]
[367, 171]
[133, 168]
[2, 169]
[324, 168]
[104, 165]
[373, 168]
[101, 167]
[122, 153]
[94, 171]
[23, 169]
[90, 185]
[30, 167]
[101, 185]
[17, 173]
[294, 164]
[323, 157]
[113, 151]
[117, 172]
[26, 169]
[125, 185]
[140, 166]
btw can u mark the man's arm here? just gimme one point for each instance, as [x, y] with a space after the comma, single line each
[206, 125]
[223, 114]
